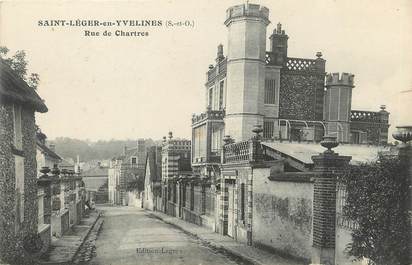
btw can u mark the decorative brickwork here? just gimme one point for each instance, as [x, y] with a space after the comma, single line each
[301, 96]
[327, 165]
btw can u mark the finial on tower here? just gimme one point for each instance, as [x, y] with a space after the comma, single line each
[220, 52]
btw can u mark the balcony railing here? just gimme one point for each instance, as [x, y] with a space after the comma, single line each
[298, 64]
[236, 152]
[208, 115]
[244, 151]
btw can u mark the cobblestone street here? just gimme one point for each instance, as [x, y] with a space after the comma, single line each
[131, 236]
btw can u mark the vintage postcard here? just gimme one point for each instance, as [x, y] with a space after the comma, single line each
[206, 132]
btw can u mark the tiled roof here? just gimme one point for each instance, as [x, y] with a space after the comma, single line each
[66, 164]
[304, 151]
[13, 88]
[47, 150]
[96, 172]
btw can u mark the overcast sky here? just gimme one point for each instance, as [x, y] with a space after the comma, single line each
[132, 87]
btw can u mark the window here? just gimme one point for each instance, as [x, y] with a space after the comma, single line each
[210, 97]
[242, 201]
[192, 197]
[221, 89]
[184, 195]
[18, 139]
[268, 129]
[134, 160]
[270, 91]
[199, 145]
[217, 135]
[174, 193]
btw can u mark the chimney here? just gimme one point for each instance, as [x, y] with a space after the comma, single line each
[52, 147]
[124, 150]
[219, 55]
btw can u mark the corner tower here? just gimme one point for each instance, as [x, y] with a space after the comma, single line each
[338, 100]
[245, 68]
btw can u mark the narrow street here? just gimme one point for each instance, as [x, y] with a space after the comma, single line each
[130, 236]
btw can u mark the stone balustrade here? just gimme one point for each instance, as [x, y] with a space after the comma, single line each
[366, 116]
[208, 115]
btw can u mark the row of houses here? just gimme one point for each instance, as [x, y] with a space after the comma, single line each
[40, 194]
[126, 173]
[260, 166]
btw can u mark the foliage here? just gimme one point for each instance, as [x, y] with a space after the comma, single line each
[18, 62]
[89, 150]
[378, 202]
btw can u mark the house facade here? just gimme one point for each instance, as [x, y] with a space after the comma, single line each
[259, 174]
[96, 183]
[18, 171]
[152, 182]
[126, 173]
[175, 165]
[45, 153]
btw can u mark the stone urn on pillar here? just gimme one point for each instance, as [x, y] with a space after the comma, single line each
[326, 167]
[403, 134]
[329, 142]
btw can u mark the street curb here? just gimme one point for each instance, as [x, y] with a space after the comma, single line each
[213, 244]
[83, 239]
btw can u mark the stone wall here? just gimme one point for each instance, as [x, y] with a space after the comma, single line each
[373, 130]
[45, 236]
[60, 223]
[148, 198]
[12, 242]
[282, 215]
[7, 182]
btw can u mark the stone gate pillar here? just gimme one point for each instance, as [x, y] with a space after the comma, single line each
[327, 165]
[44, 181]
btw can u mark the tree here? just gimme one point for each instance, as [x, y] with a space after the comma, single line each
[18, 62]
[378, 203]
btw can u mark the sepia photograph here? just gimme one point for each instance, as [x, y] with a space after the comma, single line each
[174, 132]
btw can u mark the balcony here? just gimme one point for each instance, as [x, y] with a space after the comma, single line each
[244, 151]
[216, 115]
[219, 70]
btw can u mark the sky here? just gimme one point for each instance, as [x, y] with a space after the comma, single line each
[102, 88]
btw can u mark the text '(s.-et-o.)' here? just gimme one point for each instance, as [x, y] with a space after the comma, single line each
[116, 28]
